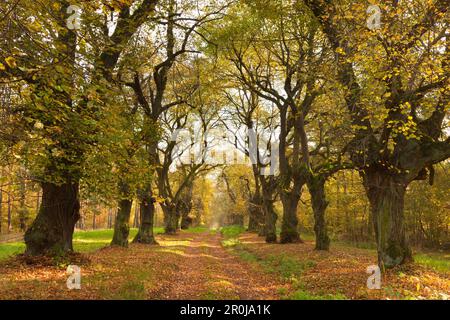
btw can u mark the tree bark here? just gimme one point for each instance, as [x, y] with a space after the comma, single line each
[186, 220]
[268, 186]
[289, 232]
[122, 223]
[271, 220]
[52, 230]
[290, 182]
[170, 218]
[252, 221]
[386, 195]
[147, 212]
[290, 199]
[256, 215]
[316, 186]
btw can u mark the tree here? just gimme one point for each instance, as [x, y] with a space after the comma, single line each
[398, 137]
[51, 73]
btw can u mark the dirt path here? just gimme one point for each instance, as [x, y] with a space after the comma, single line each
[210, 272]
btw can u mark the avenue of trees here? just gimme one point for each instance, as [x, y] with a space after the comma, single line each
[344, 128]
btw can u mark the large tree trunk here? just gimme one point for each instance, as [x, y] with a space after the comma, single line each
[122, 223]
[52, 230]
[386, 194]
[185, 206]
[268, 186]
[170, 218]
[270, 222]
[253, 224]
[289, 231]
[186, 220]
[147, 210]
[316, 186]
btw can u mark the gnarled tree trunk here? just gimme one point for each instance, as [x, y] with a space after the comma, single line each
[186, 221]
[270, 221]
[52, 230]
[184, 206]
[256, 215]
[289, 232]
[147, 213]
[386, 194]
[170, 218]
[122, 223]
[316, 186]
[268, 186]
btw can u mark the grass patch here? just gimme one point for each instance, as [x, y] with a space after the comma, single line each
[83, 241]
[219, 290]
[232, 231]
[289, 269]
[11, 249]
[134, 288]
[231, 235]
[229, 243]
[88, 241]
[208, 295]
[305, 295]
[199, 229]
[248, 256]
[285, 266]
[282, 265]
[436, 261]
